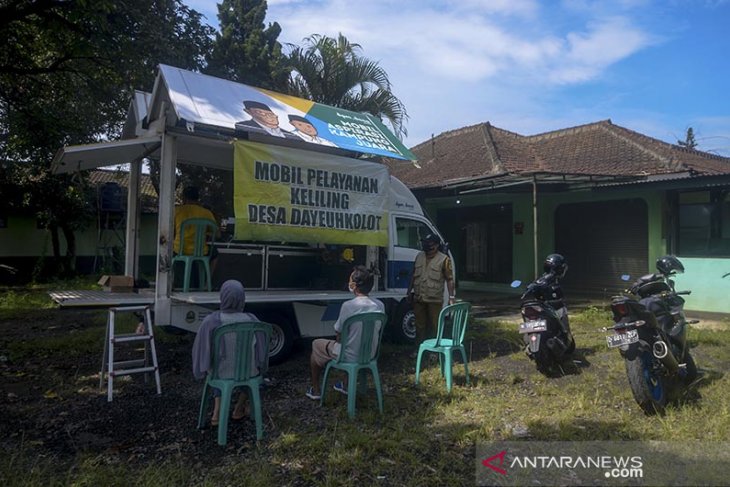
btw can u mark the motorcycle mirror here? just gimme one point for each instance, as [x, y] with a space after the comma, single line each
[516, 283]
[728, 274]
[626, 277]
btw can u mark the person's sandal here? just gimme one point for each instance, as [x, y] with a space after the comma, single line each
[340, 387]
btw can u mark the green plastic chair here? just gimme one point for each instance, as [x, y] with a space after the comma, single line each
[444, 346]
[205, 231]
[357, 370]
[236, 338]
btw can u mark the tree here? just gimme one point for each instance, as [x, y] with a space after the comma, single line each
[245, 50]
[333, 71]
[689, 140]
[67, 68]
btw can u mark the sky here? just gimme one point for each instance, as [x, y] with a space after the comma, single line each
[528, 66]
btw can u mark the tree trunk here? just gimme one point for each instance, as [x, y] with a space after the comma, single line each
[55, 266]
[70, 260]
[55, 242]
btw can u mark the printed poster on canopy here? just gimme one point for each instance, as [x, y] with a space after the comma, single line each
[289, 195]
[200, 98]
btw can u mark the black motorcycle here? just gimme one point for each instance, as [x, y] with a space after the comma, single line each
[545, 328]
[650, 332]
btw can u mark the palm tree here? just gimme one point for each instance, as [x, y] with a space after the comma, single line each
[332, 71]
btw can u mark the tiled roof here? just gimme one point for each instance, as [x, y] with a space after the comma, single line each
[147, 192]
[597, 149]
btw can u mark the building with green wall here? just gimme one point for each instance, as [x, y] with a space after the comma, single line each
[25, 243]
[608, 198]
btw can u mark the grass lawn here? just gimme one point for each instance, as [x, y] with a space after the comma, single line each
[425, 437]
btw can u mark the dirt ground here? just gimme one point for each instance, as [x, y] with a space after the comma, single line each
[51, 404]
[52, 407]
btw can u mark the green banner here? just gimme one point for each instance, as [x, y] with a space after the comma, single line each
[289, 195]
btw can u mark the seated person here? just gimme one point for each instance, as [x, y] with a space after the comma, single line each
[191, 208]
[323, 350]
[233, 300]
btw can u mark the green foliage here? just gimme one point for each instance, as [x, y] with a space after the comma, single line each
[245, 50]
[21, 301]
[689, 139]
[593, 316]
[66, 74]
[91, 471]
[333, 71]
[17, 303]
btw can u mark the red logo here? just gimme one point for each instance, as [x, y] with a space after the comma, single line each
[500, 456]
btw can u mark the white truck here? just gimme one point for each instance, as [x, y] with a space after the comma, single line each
[297, 282]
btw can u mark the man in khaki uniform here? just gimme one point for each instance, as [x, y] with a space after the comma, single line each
[426, 291]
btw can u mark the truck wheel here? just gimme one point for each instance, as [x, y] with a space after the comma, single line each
[282, 340]
[404, 324]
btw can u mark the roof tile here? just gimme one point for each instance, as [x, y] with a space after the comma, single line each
[600, 149]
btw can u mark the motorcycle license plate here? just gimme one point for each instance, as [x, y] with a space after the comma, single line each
[620, 339]
[533, 326]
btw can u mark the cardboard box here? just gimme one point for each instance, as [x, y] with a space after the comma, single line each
[117, 284]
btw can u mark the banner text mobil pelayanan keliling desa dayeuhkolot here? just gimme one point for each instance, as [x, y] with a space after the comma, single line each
[301, 193]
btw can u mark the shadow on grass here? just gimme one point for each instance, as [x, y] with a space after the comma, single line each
[692, 394]
[492, 338]
[581, 430]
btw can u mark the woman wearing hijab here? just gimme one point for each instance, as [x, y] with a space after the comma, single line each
[233, 299]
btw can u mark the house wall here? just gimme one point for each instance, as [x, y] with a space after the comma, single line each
[703, 276]
[22, 244]
[522, 255]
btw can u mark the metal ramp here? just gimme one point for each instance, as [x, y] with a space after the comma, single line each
[101, 299]
[128, 367]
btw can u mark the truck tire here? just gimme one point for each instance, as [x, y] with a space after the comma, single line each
[403, 329]
[282, 339]
[647, 385]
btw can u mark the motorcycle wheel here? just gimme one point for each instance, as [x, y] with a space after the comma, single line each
[543, 362]
[691, 375]
[648, 386]
[571, 346]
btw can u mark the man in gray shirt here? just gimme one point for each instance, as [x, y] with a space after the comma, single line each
[323, 350]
